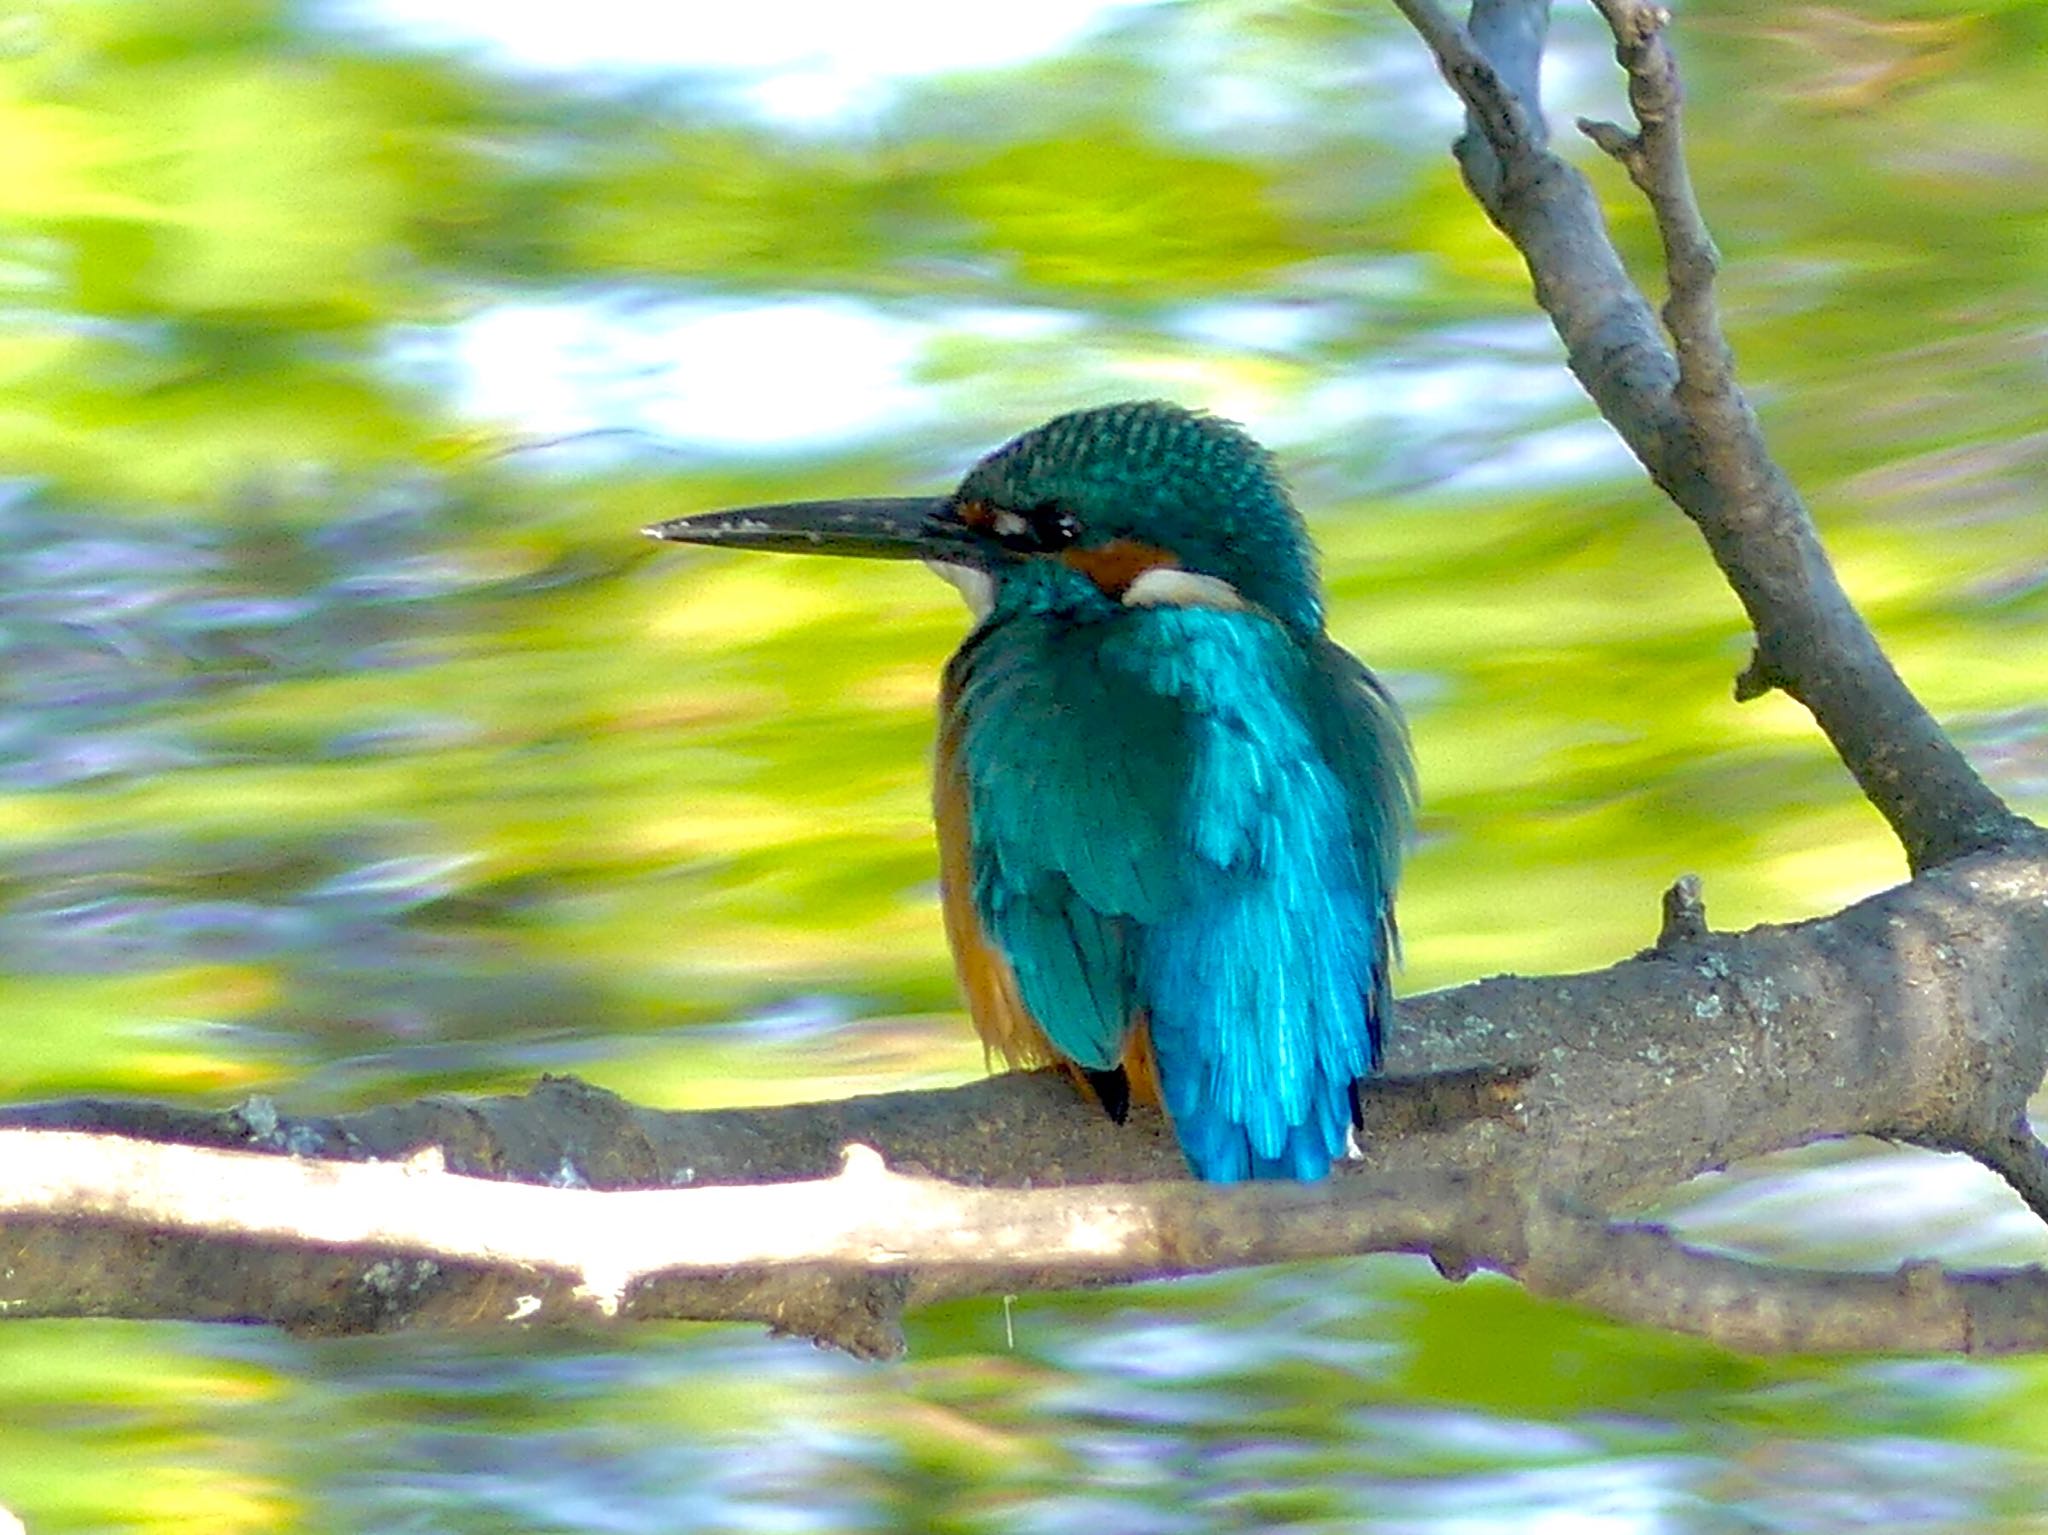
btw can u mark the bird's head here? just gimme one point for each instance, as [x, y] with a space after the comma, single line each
[1133, 504]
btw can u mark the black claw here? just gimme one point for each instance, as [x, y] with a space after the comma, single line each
[1114, 1089]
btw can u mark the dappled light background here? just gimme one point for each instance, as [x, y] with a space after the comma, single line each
[355, 746]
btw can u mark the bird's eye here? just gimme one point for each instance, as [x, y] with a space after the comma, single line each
[1038, 529]
[1055, 526]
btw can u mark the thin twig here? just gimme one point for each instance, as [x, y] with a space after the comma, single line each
[1495, 108]
[1654, 157]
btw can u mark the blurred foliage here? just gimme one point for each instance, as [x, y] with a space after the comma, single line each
[353, 745]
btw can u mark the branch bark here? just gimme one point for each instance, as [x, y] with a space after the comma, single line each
[1641, 1274]
[1518, 1112]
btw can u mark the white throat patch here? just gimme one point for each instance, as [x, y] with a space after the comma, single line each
[977, 588]
[1168, 586]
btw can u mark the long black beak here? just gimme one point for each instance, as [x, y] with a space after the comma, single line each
[885, 528]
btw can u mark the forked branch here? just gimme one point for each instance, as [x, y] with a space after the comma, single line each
[1669, 390]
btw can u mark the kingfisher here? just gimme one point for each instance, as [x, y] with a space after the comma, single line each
[1170, 807]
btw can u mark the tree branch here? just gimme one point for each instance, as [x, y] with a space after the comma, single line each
[1912, 1015]
[1686, 420]
[2022, 1161]
[593, 1253]
[1495, 106]
[1654, 158]
[1644, 1275]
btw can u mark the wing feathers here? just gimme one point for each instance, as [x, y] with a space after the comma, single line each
[1190, 817]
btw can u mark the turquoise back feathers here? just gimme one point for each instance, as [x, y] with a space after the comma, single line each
[1185, 805]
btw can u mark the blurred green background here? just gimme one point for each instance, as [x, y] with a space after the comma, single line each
[355, 746]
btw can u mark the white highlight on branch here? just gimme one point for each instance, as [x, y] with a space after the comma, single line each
[866, 1216]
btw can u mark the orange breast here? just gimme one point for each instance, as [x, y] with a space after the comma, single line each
[1005, 1025]
[1000, 1017]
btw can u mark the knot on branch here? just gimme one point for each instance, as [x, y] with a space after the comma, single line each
[1684, 915]
[1757, 678]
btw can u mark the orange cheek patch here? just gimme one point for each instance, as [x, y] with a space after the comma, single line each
[1114, 566]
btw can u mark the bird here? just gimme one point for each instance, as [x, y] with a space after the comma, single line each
[1171, 810]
